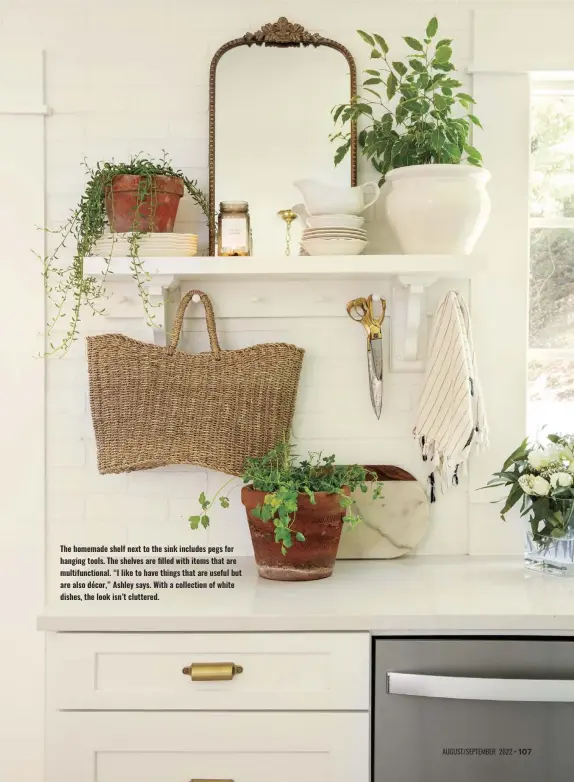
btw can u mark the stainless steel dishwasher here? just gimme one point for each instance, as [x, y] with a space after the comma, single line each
[473, 710]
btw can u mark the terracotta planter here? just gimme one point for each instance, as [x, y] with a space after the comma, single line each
[320, 523]
[157, 211]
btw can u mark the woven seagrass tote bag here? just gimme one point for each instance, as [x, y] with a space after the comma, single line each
[153, 406]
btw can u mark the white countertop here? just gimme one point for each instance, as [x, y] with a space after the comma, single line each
[412, 595]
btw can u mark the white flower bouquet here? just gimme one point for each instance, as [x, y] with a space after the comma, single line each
[541, 476]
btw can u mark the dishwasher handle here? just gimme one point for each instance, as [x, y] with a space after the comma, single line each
[481, 689]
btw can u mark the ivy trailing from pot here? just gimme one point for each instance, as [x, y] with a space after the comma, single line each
[120, 197]
[292, 504]
[419, 127]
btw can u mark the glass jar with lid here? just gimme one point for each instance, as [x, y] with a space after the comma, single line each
[234, 228]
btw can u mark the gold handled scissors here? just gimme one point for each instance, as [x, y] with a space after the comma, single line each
[361, 310]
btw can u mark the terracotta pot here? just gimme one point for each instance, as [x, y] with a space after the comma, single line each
[156, 212]
[320, 523]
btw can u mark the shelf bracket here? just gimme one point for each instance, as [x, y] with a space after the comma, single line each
[407, 322]
[159, 290]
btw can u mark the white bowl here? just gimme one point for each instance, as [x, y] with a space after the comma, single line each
[333, 246]
[334, 233]
[335, 221]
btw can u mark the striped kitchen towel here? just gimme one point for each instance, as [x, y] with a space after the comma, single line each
[451, 420]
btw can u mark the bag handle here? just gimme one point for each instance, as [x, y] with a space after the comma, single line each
[209, 317]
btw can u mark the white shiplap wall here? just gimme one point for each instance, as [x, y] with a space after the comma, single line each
[114, 105]
[126, 76]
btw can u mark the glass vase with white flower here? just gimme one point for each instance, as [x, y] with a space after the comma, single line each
[540, 477]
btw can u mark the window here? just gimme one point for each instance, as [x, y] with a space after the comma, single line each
[551, 331]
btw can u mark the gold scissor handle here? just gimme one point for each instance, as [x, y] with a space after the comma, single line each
[361, 310]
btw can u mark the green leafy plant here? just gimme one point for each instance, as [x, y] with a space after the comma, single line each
[419, 127]
[541, 477]
[284, 479]
[66, 286]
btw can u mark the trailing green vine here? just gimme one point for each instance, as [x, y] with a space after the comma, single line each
[66, 286]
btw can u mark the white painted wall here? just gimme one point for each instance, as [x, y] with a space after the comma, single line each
[102, 109]
[21, 415]
[126, 76]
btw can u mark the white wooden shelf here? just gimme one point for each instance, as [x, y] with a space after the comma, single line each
[410, 275]
[293, 267]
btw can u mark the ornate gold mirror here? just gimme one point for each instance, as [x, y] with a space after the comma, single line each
[270, 103]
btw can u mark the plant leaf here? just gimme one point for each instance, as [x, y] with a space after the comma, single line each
[373, 80]
[375, 54]
[387, 121]
[464, 97]
[413, 43]
[439, 102]
[454, 157]
[400, 68]
[443, 54]
[443, 42]
[432, 27]
[417, 66]
[300, 537]
[391, 85]
[366, 37]
[382, 43]
[437, 139]
[472, 152]
[474, 119]
[341, 151]
[513, 496]
[337, 112]
[401, 112]
[194, 521]
[518, 454]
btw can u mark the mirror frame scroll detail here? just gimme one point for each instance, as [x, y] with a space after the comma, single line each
[281, 33]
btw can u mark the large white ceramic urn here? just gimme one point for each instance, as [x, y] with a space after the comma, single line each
[437, 208]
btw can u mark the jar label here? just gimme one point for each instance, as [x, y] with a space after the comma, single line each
[234, 233]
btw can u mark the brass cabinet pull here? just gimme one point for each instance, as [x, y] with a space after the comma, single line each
[211, 672]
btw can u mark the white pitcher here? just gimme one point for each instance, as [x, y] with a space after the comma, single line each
[321, 199]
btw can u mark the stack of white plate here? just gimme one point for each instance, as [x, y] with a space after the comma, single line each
[334, 235]
[152, 245]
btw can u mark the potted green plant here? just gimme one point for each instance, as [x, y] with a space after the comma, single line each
[137, 197]
[541, 477]
[295, 511]
[416, 135]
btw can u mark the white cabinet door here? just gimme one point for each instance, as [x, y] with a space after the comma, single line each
[141, 671]
[172, 747]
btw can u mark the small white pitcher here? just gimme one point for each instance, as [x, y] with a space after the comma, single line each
[321, 199]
